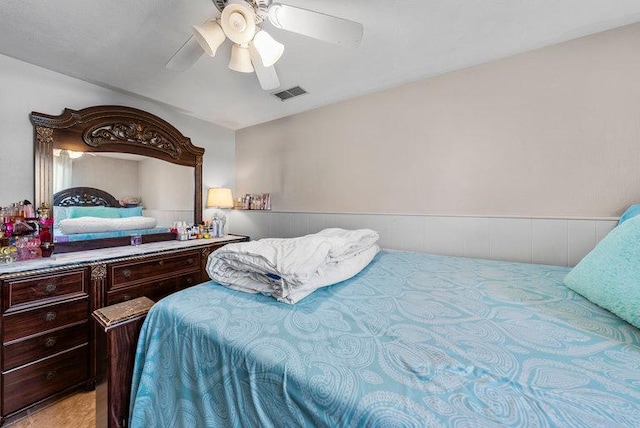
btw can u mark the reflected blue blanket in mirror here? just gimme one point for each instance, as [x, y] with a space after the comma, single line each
[412, 340]
[58, 236]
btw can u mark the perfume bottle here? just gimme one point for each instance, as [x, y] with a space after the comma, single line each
[46, 238]
[43, 211]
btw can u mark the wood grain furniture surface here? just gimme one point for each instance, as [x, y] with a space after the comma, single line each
[45, 335]
[118, 327]
[49, 345]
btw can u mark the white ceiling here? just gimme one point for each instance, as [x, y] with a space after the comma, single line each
[124, 44]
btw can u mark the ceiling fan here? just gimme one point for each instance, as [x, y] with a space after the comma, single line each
[253, 48]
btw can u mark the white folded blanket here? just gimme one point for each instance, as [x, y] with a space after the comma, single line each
[347, 243]
[291, 269]
[72, 226]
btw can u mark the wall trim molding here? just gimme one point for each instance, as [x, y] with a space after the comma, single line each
[549, 217]
[543, 240]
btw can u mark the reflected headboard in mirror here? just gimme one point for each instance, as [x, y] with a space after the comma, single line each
[126, 152]
[84, 197]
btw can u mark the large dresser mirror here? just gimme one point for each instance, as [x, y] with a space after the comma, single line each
[112, 172]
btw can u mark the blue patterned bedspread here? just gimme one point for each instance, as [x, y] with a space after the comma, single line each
[413, 340]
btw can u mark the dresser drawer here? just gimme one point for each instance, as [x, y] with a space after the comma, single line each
[35, 289]
[154, 290]
[126, 273]
[21, 352]
[35, 321]
[29, 384]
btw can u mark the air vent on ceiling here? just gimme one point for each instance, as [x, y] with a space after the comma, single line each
[290, 93]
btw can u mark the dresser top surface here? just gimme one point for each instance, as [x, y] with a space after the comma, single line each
[105, 254]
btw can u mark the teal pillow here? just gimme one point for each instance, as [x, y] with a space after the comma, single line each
[102, 212]
[130, 212]
[632, 211]
[59, 213]
[609, 275]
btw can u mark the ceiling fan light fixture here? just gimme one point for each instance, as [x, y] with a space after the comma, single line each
[209, 36]
[240, 59]
[74, 155]
[239, 23]
[269, 49]
[253, 49]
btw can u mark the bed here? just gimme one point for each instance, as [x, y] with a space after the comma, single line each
[88, 214]
[412, 340]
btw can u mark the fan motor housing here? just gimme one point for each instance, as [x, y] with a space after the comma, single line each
[261, 7]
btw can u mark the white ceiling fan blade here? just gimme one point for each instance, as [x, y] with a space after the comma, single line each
[315, 24]
[186, 56]
[267, 76]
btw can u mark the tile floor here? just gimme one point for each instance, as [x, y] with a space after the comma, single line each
[75, 411]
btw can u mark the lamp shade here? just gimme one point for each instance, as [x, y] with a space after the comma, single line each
[210, 36]
[270, 50]
[240, 59]
[219, 197]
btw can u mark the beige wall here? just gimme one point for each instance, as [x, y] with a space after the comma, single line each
[554, 132]
[166, 186]
[116, 176]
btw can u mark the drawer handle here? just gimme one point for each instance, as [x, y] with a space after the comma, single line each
[190, 261]
[50, 342]
[161, 262]
[126, 273]
[189, 280]
[50, 316]
[50, 288]
[161, 284]
[50, 375]
[126, 297]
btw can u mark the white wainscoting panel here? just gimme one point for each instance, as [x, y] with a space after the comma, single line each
[561, 242]
[510, 239]
[550, 241]
[602, 228]
[581, 238]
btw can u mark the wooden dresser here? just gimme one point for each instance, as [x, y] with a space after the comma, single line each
[154, 277]
[49, 345]
[45, 336]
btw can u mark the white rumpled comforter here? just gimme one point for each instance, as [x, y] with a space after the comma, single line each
[291, 269]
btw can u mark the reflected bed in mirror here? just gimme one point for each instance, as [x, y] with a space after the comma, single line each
[163, 189]
[87, 214]
[124, 158]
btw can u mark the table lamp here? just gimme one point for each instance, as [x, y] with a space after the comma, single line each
[219, 198]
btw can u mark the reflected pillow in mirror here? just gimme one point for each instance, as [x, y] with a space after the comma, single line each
[59, 213]
[130, 212]
[101, 212]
